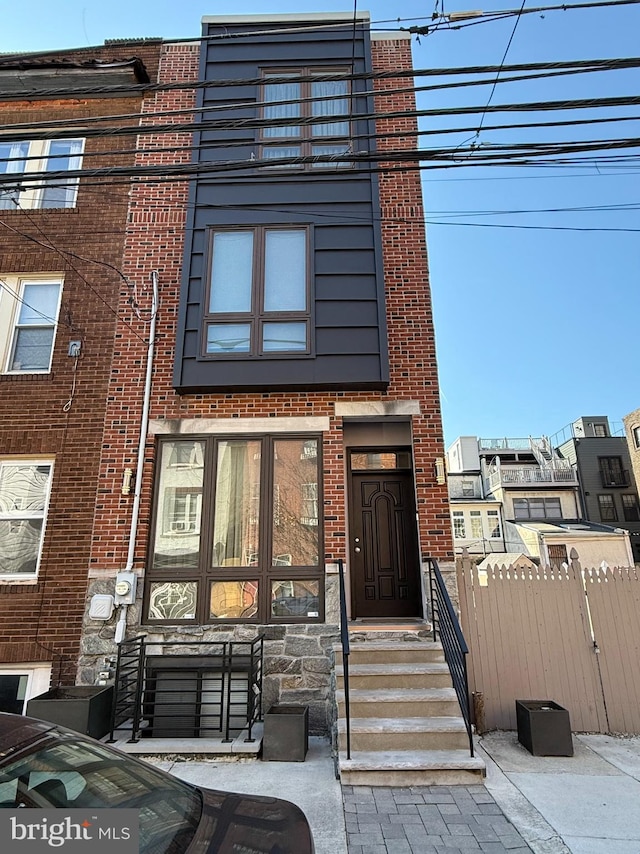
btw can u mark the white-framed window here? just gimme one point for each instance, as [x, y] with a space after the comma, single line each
[29, 308]
[468, 489]
[19, 683]
[20, 159]
[495, 530]
[459, 529]
[25, 486]
[476, 524]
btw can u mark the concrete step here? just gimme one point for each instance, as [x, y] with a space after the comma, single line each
[380, 734]
[391, 652]
[411, 768]
[399, 703]
[432, 674]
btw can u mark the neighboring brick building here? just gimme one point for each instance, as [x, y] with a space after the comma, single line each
[61, 246]
[294, 412]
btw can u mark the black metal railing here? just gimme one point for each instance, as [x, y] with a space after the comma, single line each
[447, 627]
[188, 689]
[344, 640]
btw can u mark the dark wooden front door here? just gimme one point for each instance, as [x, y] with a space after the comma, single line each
[385, 567]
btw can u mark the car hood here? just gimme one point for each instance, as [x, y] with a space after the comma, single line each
[234, 822]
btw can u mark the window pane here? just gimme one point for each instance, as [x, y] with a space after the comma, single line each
[382, 460]
[233, 599]
[173, 600]
[13, 692]
[520, 508]
[295, 504]
[228, 337]
[553, 508]
[231, 272]
[282, 92]
[285, 273]
[12, 156]
[279, 151]
[23, 489]
[32, 350]
[40, 304]
[295, 598]
[20, 545]
[476, 524]
[327, 151]
[284, 337]
[458, 524]
[177, 536]
[64, 155]
[335, 105]
[236, 534]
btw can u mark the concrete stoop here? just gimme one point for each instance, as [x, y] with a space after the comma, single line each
[406, 726]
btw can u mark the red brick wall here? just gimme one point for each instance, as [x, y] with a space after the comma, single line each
[155, 242]
[42, 621]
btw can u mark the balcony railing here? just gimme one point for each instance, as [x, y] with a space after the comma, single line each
[519, 475]
[612, 479]
[505, 444]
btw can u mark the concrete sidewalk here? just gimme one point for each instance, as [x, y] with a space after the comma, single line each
[585, 804]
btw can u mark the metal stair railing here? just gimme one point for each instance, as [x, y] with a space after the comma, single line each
[447, 626]
[344, 640]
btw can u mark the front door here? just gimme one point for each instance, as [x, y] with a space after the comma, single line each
[384, 554]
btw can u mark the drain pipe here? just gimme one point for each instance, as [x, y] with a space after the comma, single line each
[121, 625]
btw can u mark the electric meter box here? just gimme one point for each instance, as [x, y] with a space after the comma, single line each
[125, 588]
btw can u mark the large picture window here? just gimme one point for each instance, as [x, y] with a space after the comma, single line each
[537, 508]
[19, 160]
[24, 496]
[297, 108]
[258, 300]
[236, 534]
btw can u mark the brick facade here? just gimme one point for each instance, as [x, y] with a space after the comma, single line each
[41, 621]
[155, 242]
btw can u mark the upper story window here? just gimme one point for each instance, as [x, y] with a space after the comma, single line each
[608, 511]
[24, 496]
[636, 436]
[19, 159]
[296, 100]
[259, 292]
[28, 319]
[537, 508]
[612, 473]
[630, 507]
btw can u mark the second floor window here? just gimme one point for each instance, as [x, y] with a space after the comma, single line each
[612, 473]
[607, 505]
[258, 302]
[288, 104]
[537, 508]
[28, 323]
[20, 159]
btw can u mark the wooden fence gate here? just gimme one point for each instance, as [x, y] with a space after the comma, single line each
[553, 633]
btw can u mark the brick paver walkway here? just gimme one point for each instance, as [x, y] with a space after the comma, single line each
[427, 820]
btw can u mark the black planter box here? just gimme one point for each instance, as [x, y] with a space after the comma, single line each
[84, 708]
[286, 734]
[544, 728]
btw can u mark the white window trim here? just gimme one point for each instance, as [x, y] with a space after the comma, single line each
[23, 577]
[38, 678]
[30, 196]
[11, 291]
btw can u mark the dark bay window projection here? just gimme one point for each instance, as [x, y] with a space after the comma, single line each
[236, 531]
[24, 496]
[258, 302]
[537, 508]
[20, 159]
[297, 105]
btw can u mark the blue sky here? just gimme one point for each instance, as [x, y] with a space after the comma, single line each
[535, 326]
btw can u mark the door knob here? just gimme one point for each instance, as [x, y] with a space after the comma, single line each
[357, 549]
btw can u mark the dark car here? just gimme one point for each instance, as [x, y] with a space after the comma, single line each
[45, 766]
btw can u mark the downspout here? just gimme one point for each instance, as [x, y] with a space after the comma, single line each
[121, 625]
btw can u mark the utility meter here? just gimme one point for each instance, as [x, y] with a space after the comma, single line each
[125, 588]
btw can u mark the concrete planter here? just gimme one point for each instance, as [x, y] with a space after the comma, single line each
[84, 708]
[286, 734]
[544, 728]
